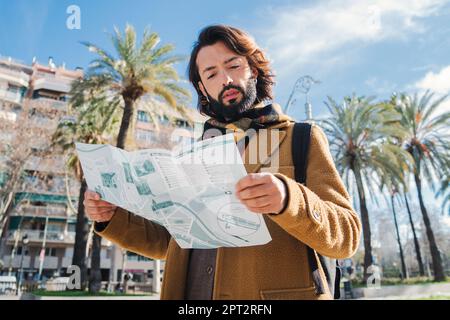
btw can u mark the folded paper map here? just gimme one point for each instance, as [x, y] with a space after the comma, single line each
[189, 190]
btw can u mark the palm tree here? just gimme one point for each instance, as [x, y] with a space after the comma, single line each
[395, 184]
[416, 241]
[357, 129]
[137, 71]
[405, 189]
[399, 241]
[427, 140]
[444, 192]
[96, 122]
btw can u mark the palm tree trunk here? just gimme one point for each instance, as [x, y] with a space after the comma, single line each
[368, 259]
[434, 250]
[95, 276]
[126, 126]
[402, 258]
[81, 237]
[416, 242]
[125, 135]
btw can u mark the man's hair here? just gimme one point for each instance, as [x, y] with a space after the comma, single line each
[242, 44]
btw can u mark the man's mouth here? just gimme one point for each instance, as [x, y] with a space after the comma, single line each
[230, 94]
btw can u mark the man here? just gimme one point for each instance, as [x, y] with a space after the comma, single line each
[234, 81]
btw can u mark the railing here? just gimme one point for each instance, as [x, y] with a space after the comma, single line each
[52, 236]
[53, 76]
[55, 164]
[42, 211]
[44, 188]
[57, 104]
[17, 74]
[49, 262]
[53, 83]
[8, 288]
[15, 263]
[131, 287]
[13, 96]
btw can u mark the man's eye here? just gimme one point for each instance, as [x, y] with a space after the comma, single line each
[234, 67]
[211, 76]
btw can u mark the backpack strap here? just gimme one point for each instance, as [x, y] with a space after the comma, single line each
[300, 147]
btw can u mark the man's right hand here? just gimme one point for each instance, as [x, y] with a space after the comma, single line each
[96, 209]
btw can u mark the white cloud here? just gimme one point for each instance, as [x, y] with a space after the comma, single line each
[299, 35]
[437, 82]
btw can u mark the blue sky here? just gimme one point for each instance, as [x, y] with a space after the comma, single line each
[352, 46]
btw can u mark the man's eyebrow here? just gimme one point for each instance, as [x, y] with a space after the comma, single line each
[231, 59]
[226, 61]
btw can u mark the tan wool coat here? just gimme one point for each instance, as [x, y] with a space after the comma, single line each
[319, 215]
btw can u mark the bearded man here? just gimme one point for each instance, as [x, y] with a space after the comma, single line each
[306, 221]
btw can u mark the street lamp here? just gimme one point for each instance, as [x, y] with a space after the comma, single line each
[25, 241]
[303, 85]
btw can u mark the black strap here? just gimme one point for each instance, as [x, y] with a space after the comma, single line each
[300, 146]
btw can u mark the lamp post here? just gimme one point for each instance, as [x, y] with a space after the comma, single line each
[303, 85]
[25, 241]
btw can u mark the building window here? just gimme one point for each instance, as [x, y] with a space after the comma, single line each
[145, 135]
[50, 252]
[182, 123]
[131, 256]
[163, 119]
[19, 251]
[143, 116]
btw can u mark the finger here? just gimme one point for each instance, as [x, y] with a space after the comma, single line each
[96, 211]
[252, 179]
[102, 216]
[89, 194]
[254, 192]
[259, 202]
[97, 203]
[96, 206]
[264, 210]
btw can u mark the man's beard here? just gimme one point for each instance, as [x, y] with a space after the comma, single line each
[234, 110]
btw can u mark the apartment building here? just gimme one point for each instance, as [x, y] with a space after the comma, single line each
[44, 210]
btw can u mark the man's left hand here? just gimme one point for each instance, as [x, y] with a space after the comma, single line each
[262, 193]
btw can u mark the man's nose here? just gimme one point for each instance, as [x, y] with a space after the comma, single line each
[226, 79]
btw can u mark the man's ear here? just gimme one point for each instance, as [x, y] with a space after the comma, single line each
[254, 73]
[202, 88]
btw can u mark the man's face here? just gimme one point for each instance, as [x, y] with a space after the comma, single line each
[227, 80]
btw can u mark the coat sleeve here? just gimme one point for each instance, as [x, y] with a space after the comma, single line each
[136, 234]
[320, 215]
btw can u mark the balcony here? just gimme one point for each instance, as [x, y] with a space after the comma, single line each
[49, 262]
[36, 211]
[34, 185]
[16, 261]
[55, 165]
[52, 236]
[19, 78]
[10, 96]
[50, 82]
[48, 103]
